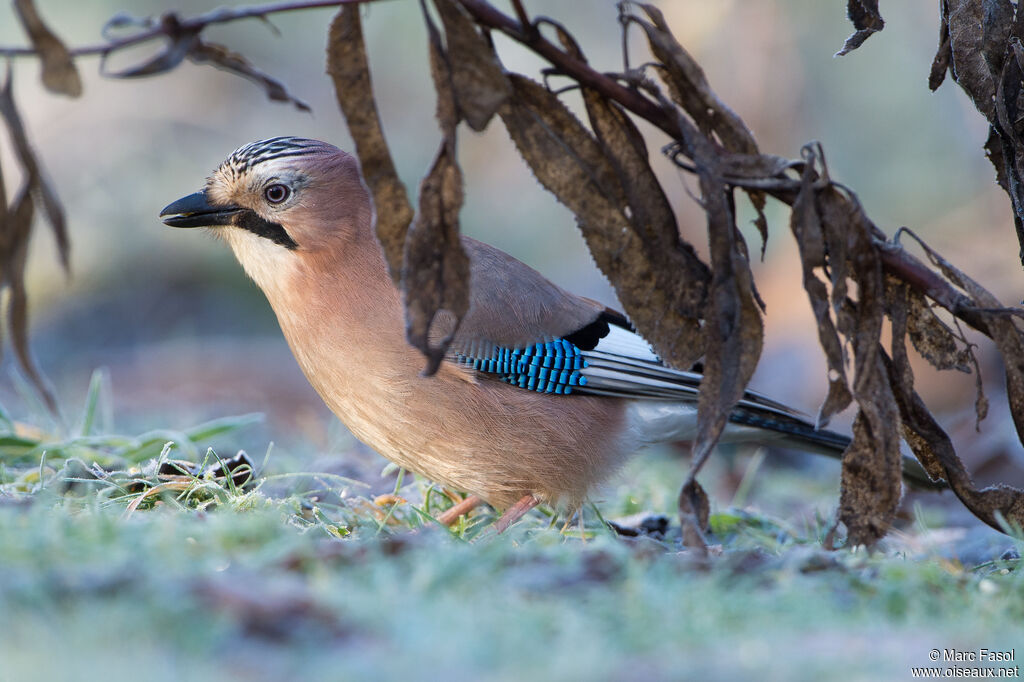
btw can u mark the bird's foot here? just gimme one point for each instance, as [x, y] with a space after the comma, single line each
[452, 514]
[515, 512]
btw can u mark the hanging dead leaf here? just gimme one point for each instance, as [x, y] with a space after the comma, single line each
[569, 162]
[736, 166]
[232, 62]
[930, 336]
[680, 278]
[996, 29]
[478, 81]
[995, 505]
[435, 274]
[12, 277]
[1003, 329]
[1005, 146]
[980, 42]
[694, 514]
[15, 231]
[866, 19]
[968, 48]
[59, 72]
[806, 224]
[441, 73]
[37, 182]
[944, 53]
[870, 483]
[348, 68]
[733, 329]
[901, 377]
[689, 86]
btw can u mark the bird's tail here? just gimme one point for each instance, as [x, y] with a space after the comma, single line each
[803, 436]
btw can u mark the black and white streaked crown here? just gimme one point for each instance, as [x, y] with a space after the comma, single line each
[254, 153]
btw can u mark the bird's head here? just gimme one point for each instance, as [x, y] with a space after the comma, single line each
[278, 200]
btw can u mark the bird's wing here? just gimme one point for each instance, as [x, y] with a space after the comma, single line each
[524, 330]
[512, 305]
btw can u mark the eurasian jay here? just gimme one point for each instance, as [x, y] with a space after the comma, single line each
[543, 393]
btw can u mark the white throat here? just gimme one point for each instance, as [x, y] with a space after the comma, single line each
[270, 265]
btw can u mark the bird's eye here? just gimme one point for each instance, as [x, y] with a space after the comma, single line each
[275, 194]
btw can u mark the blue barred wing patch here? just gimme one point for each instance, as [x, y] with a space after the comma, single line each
[551, 367]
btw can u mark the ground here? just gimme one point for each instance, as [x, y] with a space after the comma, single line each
[104, 575]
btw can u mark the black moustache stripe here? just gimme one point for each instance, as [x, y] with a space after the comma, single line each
[275, 232]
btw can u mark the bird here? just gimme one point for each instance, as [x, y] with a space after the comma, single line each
[542, 395]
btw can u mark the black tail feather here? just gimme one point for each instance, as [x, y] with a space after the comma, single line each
[829, 443]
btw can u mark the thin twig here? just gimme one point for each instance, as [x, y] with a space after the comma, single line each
[217, 16]
[487, 15]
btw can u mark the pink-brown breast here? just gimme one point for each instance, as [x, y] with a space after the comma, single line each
[476, 435]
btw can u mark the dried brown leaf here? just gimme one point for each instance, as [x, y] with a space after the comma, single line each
[871, 465]
[1003, 329]
[994, 152]
[968, 47]
[871, 471]
[931, 444]
[477, 78]
[232, 62]
[944, 53]
[690, 89]
[735, 165]
[1005, 146]
[37, 182]
[901, 377]
[996, 27]
[931, 337]
[567, 159]
[733, 329]
[806, 225]
[441, 73]
[689, 86]
[3, 211]
[694, 515]
[866, 19]
[435, 274]
[13, 255]
[59, 72]
[866, 317]
[348, 68]
[680, 272]
[836, 214]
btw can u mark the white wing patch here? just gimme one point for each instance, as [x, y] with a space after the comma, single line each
[629, 344]
[624, 365]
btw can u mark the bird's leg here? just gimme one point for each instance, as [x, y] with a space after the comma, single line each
[515, 512]
[452, 514]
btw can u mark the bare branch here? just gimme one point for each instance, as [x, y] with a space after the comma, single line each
[197, 23]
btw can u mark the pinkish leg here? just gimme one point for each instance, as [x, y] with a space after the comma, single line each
[515, 512]
[452, 514]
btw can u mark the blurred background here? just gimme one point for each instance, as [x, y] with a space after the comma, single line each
[185, 337]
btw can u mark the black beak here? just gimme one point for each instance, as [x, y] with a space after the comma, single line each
[195, 211]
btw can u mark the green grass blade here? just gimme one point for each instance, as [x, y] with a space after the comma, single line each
[218, 427]
[95, 399]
